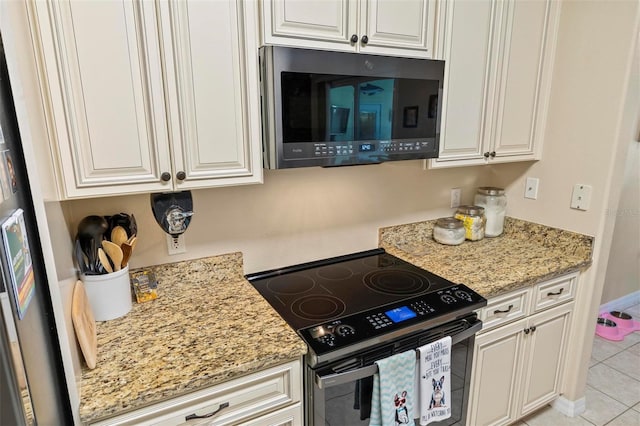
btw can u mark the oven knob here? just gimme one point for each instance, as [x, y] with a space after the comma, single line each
[461, 294]
[447, 298]
[345, 330]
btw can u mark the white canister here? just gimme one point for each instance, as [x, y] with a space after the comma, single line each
[495, 208]
[449, 231]
[109, 294]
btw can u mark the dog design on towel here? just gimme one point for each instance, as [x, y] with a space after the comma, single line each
[402, 414]
[437, 397]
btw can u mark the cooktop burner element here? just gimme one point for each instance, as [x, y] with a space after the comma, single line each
[318, 307]
[397, 282]
[286, 284]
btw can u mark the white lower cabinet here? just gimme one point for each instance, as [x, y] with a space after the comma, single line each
[518, 365]
[268, 398]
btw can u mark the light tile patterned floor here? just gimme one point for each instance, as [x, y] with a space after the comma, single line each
[613, 386]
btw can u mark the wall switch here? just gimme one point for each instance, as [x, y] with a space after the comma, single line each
[581, 196]
[531, 188]
[456, 195]
[176, 245]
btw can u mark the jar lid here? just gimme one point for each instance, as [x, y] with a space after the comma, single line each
[471, 210]
[449, 223]
[490, 190]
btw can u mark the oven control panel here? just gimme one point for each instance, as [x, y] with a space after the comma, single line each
[352, 329]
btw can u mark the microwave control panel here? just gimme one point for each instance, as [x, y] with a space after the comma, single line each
[358, 152]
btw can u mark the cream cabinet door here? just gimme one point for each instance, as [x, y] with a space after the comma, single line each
[103, 94]
[326, 24]
[469, 56]
[397, 26]
[529, 30]
[495, 382]
[212, 91]
[392, 27]
[544, 357]
[499, 61]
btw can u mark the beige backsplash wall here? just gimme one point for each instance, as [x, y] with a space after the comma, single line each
[296, 215]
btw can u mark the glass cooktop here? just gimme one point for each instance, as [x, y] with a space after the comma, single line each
[317, 292]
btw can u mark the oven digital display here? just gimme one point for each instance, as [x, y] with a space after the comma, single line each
[400, 314]
[367, 147]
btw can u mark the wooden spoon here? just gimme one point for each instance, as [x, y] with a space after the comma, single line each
[104, 260]
[127, 250]
[114, 252]
[118, 235]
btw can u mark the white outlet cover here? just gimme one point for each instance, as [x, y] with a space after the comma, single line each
[456, 195]
[176, 245]
[581, 197]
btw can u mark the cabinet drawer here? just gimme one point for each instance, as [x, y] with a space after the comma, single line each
[247, 397]
[554, 292]
[503, 309]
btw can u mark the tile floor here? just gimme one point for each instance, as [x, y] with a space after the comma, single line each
[613, 386]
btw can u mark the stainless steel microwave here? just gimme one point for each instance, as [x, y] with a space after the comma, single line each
[322, 108]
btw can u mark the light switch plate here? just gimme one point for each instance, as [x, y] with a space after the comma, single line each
[531, 188]
[581, 196]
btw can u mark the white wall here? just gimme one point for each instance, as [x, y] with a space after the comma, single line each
[296, 215]
[623, 267]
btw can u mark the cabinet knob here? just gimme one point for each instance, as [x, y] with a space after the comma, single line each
[354, 38]
[486, 154]
[364, 39]
[533, 328]
[165, 176]
[527, 330]
[492, 154]
[181, 175]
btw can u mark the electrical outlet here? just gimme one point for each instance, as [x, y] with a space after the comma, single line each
[581, 197]
[456, 195]
[176, 245]
[531, 188]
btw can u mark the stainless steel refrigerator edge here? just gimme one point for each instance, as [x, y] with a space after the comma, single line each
[36, 334]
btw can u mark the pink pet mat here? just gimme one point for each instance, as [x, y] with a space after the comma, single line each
[615, 325]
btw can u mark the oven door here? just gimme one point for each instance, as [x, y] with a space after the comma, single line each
[339, 393]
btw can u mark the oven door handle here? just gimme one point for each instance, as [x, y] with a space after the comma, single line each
[336, 379]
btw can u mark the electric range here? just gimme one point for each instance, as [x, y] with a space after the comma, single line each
[348, 303]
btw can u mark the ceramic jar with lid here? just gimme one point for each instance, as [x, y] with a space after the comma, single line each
[495, 207]
[474, 221]
[449, 231]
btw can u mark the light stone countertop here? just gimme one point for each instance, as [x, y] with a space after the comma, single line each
[525, 254]
[207, 326]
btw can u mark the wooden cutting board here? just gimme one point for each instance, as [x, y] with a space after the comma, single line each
[84, 324]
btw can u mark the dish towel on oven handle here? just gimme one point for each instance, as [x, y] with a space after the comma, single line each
[392, 399]
[435, 381]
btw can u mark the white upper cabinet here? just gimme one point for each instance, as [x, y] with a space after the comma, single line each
[212, 91]
[391, 27]
[137, 102]
[499, 57]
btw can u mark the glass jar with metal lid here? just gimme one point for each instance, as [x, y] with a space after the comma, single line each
[495, 207]
[474, 221]
[449, 231]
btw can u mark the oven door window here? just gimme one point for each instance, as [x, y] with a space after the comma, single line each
[350, 403]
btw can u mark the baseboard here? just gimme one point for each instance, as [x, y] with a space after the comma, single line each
[622, 303]
[568, 407]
